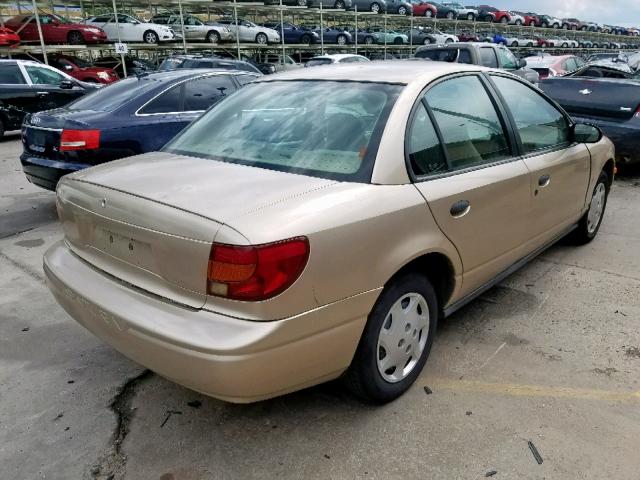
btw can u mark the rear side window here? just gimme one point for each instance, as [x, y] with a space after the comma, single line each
[539, 123]
[166, 102]
[11, 75]
[488, 57]
[471, 128]
[201, 93]
[439, 55]
[425, 152]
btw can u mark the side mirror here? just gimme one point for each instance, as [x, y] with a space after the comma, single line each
[67, 84]
[586, 133]
[522, 63]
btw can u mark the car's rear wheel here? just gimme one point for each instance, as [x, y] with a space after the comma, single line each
[450, 15]
[518, 22]
[339, 4]
[428, 13]
[302, 3]
[398, 41]
[396, 340]
[150, 37]
[75, 38]
[544, 25]
[213, 37]
[402, 10]
[532, 23]
[375, 7]
[305, 39]
[470, 17]
[261, 38]
[565, 45]
[341, 39]
[449, 40]
[368, 40]
[504, 20]
[426, 41]
[515, 44]
[590, 223]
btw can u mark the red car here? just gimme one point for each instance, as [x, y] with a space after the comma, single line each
[530, 20]
[554, 66]
[487, 13]
[82, 70]
[55, 29]
[468, 37]
[8, 38]
[424, 9]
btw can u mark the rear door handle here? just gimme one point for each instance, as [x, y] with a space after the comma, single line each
[544, 180]
[42, 94]
[460, 209]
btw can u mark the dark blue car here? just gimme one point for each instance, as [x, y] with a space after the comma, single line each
[293, 34]
[133, 116]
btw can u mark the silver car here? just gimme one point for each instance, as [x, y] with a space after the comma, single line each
[196, 29]
[250, 32]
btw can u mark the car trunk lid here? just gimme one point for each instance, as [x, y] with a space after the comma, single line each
[150, 220]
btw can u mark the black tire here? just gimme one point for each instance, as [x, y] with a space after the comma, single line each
[397, 41]
[302, 3]
[448, 40]
[504, 20]
[341, 39]
[518, 22]
[75, 38]
[150, 37]
[368, 40]
[305, 39]
[1, 129]
[428, 13]
[544, 25]
[450, 15]
[402, 10]
[339, 4]
[565, 45]
[532, 23]
[471, 17]
[375, 7]
[515, 44]
[581, 235]
[262, 39]
[363, 377]
[213, 37]
[426, 41]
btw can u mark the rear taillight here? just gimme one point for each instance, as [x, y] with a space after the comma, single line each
[79, 140]
[257, 272]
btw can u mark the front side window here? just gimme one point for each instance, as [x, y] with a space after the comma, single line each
[425, 152]
[201, 93]
[44, 76]
[507, 59]
[471, 128]
[319, 128]
[539, 123]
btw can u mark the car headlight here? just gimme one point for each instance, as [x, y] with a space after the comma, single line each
[103, 75]
[92, 30]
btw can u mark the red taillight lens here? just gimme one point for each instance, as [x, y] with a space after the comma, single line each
[257, 272]
[79, 140]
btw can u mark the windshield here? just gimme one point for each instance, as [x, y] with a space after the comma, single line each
[171, 64]
[112, 97]
[314, 62]
[319, 128]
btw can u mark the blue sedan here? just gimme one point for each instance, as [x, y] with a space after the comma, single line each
[136, 115]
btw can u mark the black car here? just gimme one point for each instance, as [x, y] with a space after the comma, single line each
[445, 11]
[198, 61]
[604, 96]
[132, 116]
[28, 87]
[134, 65]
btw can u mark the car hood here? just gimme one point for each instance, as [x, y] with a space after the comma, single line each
[212, 189]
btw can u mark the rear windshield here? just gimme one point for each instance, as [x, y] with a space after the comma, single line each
[450, 55]
[318, 128]
[114, 96]
[314, 62]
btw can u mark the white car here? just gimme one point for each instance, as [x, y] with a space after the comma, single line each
[132, 29]
[464, 13]
[516, 19]
[567, 43]
[551, 22]
[440, 37]
[249, 31]
[196, 29]
[336, 58]
[519, 42]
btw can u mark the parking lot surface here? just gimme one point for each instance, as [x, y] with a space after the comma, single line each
[551, 356]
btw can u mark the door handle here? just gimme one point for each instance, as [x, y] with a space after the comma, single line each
[42, 94]
[460, 209]
[544, 180]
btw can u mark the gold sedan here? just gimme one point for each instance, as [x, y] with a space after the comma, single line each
[319, 223]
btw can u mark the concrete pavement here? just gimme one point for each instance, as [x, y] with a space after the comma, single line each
[551, 356]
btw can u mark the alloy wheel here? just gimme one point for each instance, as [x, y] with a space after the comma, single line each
[596, 208]
[402, 11]
[375, 8]
[403, 337]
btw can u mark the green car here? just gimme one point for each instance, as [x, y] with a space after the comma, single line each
[390, 36]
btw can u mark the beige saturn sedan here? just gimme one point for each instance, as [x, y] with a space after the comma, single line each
[319, 223]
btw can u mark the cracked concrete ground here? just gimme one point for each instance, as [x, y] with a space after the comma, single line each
[551, 356]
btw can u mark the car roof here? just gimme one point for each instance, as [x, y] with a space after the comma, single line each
[400, 71]
[19, 60]
[337, 56]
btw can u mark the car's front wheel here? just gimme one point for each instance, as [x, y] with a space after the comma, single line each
[341, 39]
[428, 13]
[590, 223]
[396, 340]
[75, 38]
[375, 7]
[213, 37]
[261, 38]
[402, 10]
[470, 17]
[150, 37]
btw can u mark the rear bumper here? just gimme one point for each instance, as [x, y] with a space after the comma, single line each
[625, 137]
[228, 358]
[46, 173]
